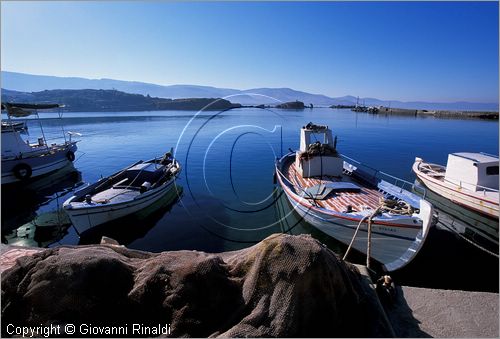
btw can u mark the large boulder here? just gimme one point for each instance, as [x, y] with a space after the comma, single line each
[283, 286]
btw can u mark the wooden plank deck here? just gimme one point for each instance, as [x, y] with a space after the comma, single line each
[367, 198]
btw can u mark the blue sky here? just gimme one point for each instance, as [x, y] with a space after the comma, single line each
[432, 51]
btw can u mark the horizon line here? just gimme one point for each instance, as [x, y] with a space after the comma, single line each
[243, 90]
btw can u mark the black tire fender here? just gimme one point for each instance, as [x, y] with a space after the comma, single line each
[70, 155]
[22, 171]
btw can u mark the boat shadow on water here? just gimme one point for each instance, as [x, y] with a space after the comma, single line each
[128, 229]
[477, 228]
[21, 202]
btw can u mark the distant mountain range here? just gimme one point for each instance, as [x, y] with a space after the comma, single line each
[34, 83]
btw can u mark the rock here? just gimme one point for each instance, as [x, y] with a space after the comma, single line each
[292, 105]
[283, 286]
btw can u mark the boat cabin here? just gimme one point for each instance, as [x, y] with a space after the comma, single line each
[13, 145]
[472, 171]
[317, 155]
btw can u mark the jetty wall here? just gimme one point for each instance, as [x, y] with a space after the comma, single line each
[438, 113]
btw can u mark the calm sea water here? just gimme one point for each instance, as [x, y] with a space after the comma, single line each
[229, 199]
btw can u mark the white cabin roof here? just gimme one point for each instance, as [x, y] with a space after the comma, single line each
[476, 157]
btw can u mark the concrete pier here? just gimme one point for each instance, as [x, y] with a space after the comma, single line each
[422, 312]
[438, 113]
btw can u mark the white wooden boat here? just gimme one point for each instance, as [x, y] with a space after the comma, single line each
[125, 192]
[469, 179]
[22, 160]
[336, 196]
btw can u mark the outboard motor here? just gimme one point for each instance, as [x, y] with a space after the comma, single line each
[146, 185]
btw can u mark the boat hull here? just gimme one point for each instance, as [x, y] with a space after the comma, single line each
[469, 200]
[85, 218]
[394, 241]
[39, 165]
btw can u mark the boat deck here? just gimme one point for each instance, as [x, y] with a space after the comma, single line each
[436, 171]
[115, 195]
[366, 198]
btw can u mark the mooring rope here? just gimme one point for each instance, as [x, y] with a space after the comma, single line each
[354, 237]
[469, 241]
[386, 205]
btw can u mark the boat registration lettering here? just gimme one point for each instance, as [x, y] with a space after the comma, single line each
[387, 229]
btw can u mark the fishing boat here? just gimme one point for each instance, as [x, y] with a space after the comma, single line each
[125, 192]
[469, 179]
[23, 160]
[353, 203]
[467, 190]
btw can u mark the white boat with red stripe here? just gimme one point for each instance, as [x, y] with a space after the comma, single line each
[336, 194]
[469, 180]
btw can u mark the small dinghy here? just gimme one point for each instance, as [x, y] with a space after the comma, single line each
[341, 197]
[125, 192]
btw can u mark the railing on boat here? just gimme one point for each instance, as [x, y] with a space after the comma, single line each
[484, 189]
[373, 178]
[372, 175]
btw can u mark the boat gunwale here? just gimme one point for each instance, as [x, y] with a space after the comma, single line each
[442, 183]
[341, 215]
[68, 204]
[336, 223]
[50, 150]
[111, 207]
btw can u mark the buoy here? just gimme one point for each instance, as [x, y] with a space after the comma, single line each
[70, 155]
[22, 171]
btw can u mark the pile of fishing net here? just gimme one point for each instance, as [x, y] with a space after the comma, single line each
[284, 286]
[318, 149]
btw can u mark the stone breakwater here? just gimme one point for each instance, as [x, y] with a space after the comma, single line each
[439, 113]
[282, 286]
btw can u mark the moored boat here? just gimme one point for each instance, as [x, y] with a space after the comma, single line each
[22, 160]
[338, 195]
[14, 125]
[467, 190]
[469, 179]
[125, 192]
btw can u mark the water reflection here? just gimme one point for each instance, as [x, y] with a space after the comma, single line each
[480, 229]
[44, 230]
[31, 214]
